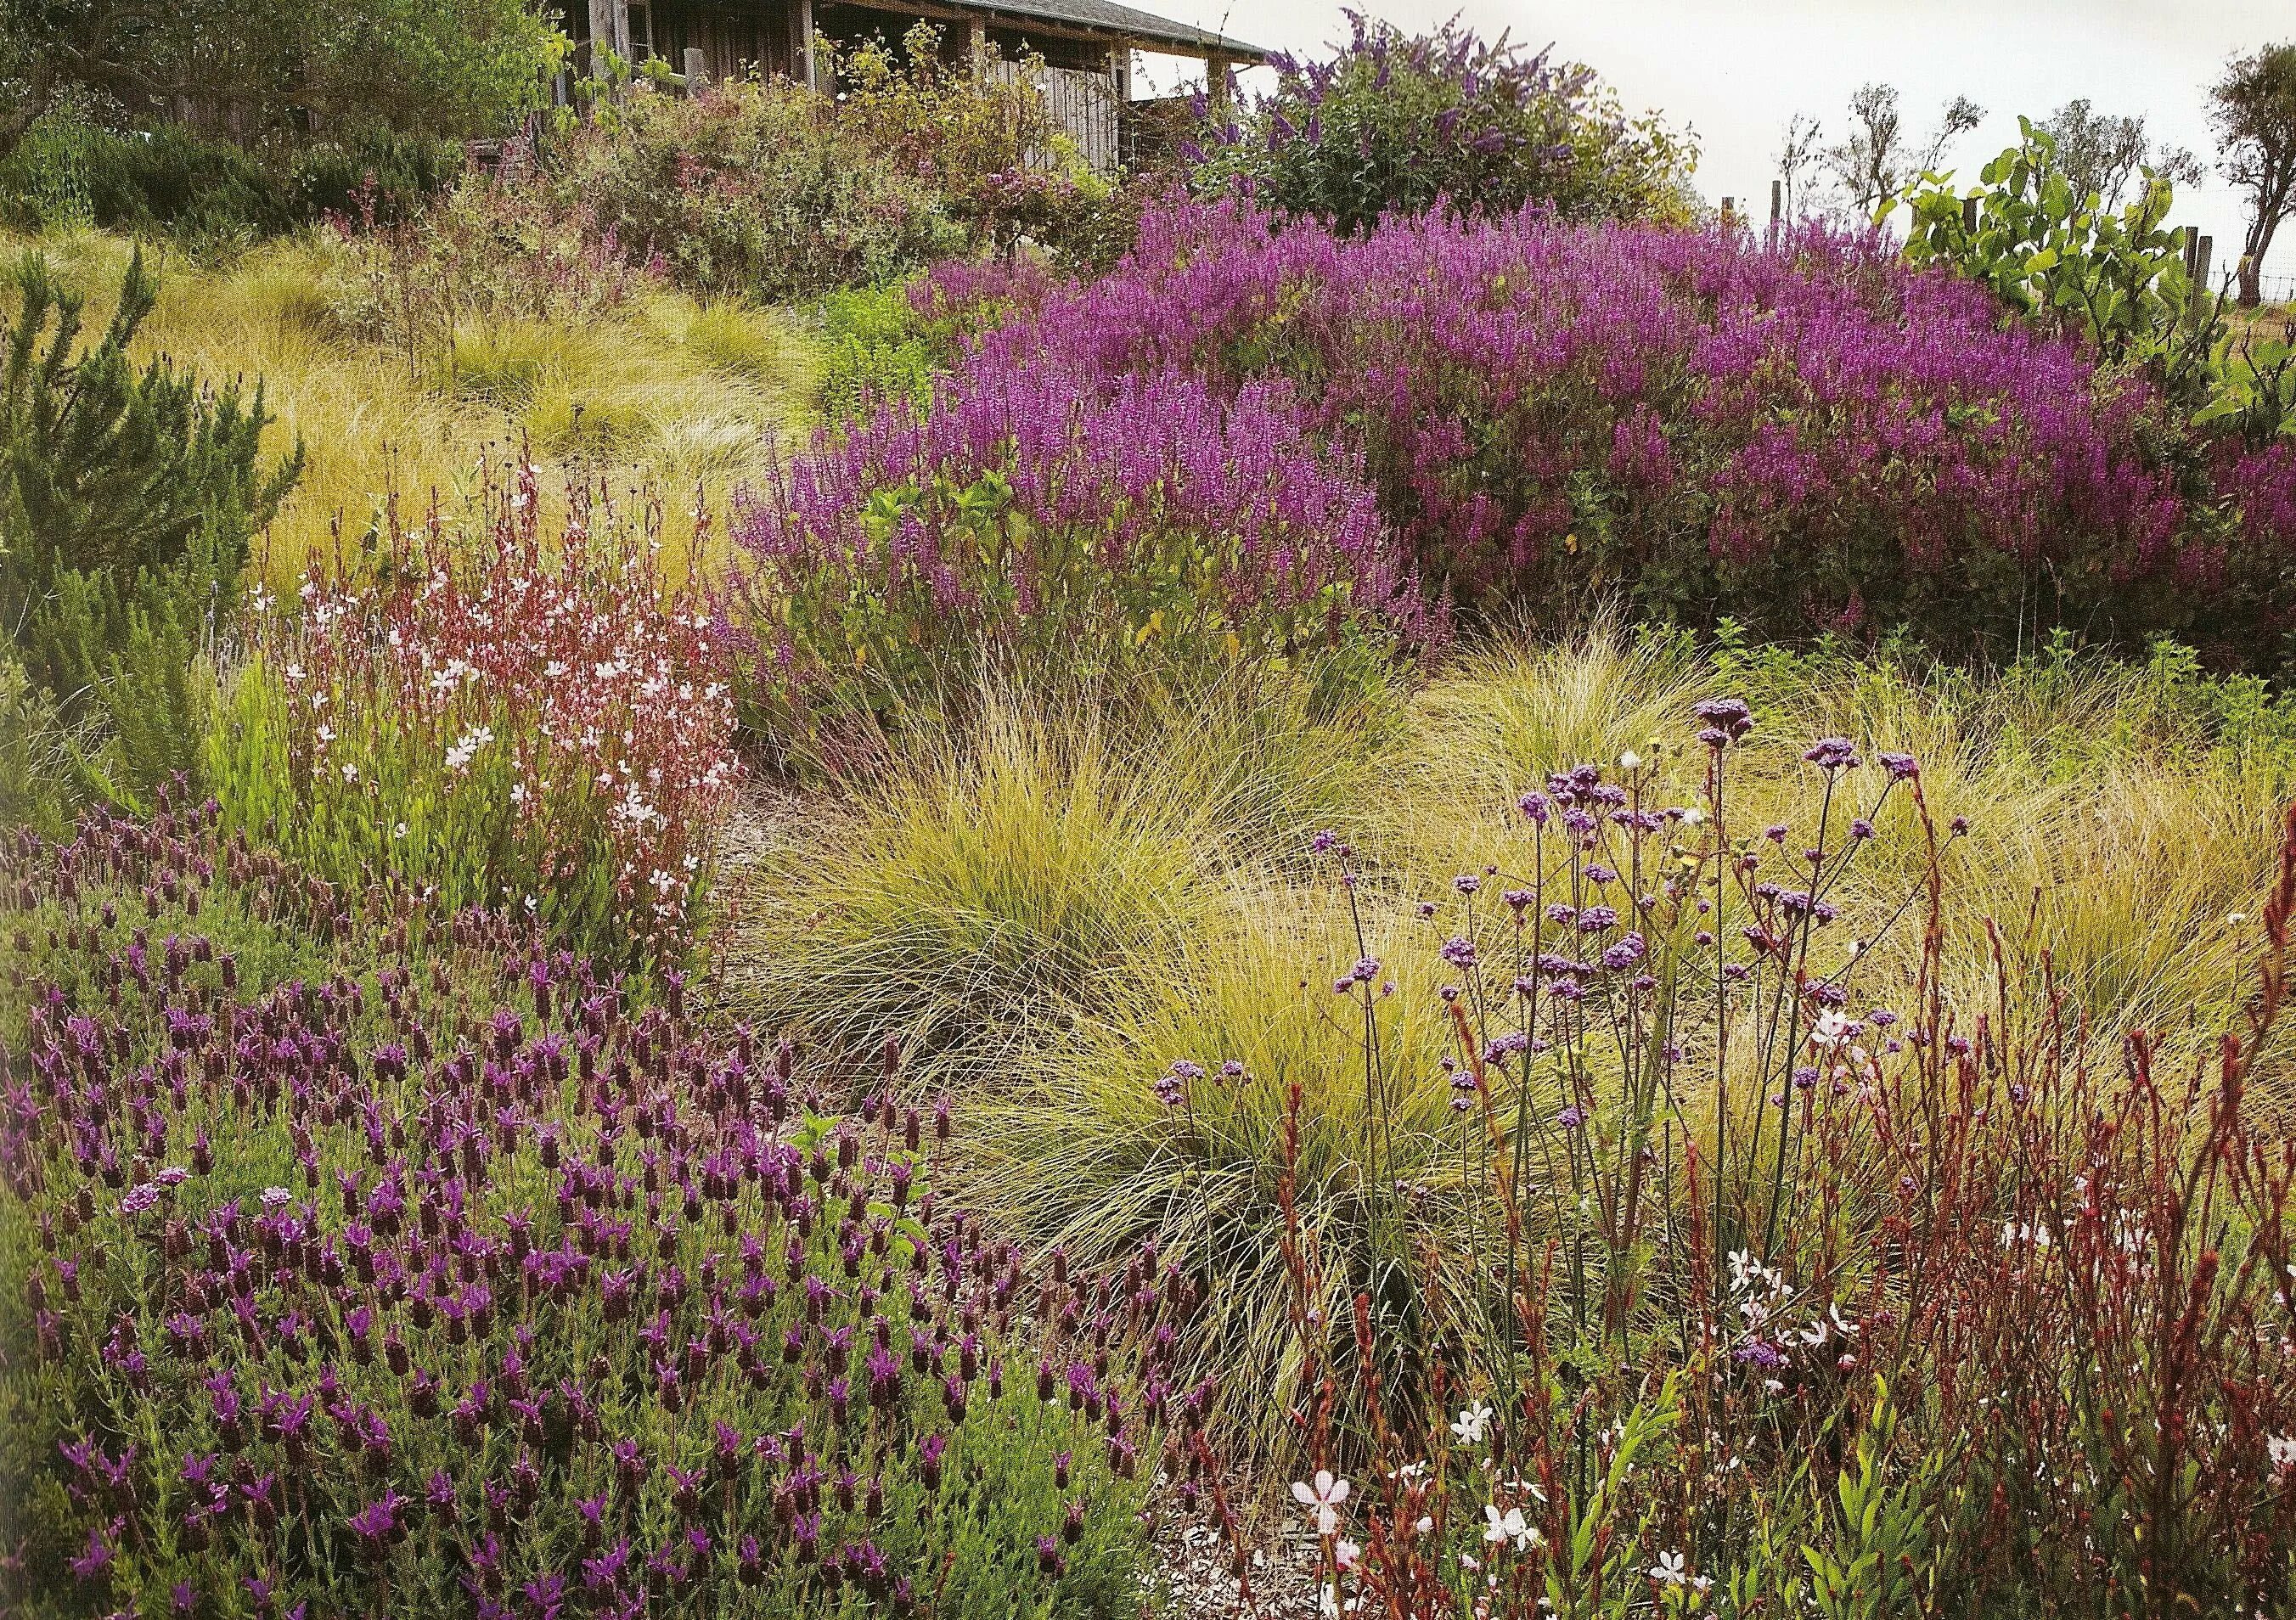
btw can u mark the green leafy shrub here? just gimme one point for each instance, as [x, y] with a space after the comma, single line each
[207, 193]
[758, 189]
[765, 190]
[373, 165]
[68, 171]
[875, 347]
[2071, 262]
[1396, 123]
[887, 343]
[127, 498]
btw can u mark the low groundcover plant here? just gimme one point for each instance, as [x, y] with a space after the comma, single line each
[462, 1278]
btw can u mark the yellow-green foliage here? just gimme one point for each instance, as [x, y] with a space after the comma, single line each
[665, 394]
[989, 887]
[1059, 900]
[982, 895]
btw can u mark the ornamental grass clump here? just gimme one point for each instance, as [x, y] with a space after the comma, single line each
[500, 721]
[345, 1277]
[1792, 430]
[1023, 524]
[1794, 1283]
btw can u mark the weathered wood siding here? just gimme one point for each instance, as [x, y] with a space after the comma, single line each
[733, 39]
[1081, 102]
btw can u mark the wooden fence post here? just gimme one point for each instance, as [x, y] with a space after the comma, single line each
[1777, 200]
[1969, 215]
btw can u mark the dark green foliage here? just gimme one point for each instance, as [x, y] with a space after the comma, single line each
[127, 499]
[403, 170]
[265, 70]
[210, 193]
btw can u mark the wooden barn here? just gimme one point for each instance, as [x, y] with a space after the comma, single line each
[1085, 45]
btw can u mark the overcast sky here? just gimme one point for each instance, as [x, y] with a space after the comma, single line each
[1735, 70]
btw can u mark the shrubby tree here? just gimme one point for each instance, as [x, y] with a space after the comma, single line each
[127, 498]
[1799, 155]
[1873, 162]
[2101, 154]
[1396, 123]
[247, 67]
[2253, 108]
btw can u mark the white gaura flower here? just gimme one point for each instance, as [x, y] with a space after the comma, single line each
[1509, 1527]
[1321, 1499]
[1472, 1423]
[2013, 1233]
[1833, 1028]
[1672, 1569]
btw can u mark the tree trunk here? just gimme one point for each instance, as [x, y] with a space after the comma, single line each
[2252, 262]
[39, 95]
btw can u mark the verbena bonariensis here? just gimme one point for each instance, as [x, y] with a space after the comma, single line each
[1023, 521]
[511, 721]
[1795, 429]
[464, 1281]
[1763, 1297]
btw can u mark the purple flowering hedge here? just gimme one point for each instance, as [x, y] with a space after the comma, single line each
[1024, 523]
[1803, 433]
[407, 1269]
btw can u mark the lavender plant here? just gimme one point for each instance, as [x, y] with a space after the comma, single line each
[343, 1277]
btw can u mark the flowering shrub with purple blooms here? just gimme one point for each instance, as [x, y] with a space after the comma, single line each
[343, 1279]
[1799, 432]
[1391, 123]
[1021, 522]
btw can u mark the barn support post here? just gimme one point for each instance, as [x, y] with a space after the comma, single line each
[800, 16]
[610, 30]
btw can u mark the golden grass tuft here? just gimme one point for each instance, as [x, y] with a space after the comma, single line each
[665, 395]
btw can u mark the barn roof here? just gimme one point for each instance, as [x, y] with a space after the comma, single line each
[1104, 17]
